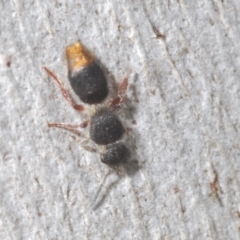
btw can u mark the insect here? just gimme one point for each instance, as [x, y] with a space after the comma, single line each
[90, 83]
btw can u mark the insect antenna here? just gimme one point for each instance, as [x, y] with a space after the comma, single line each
[100, 187]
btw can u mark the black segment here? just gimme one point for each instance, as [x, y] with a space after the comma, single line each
[116, 155]
[90, 83]
[105, 127]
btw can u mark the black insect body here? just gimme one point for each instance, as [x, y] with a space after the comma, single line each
[105, 127]
[117, 154]
[89, 83]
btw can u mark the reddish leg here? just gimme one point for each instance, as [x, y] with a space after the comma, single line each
[79, 137]
[117, 102]
[64, 91]
[69, 126]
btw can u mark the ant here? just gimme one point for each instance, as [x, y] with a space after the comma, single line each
[89, 82]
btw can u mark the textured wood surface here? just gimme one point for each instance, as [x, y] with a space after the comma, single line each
[182, 108]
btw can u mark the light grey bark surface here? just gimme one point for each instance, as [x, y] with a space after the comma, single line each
[183, 109]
